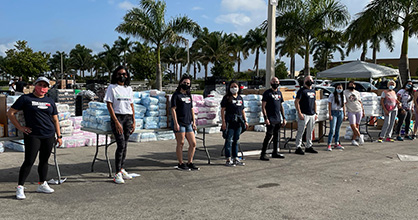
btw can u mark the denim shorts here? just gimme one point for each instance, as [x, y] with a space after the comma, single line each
[183, 129]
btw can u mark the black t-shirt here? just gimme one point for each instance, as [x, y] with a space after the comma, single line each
[38, 114]
[20, 85]
[307, 100]
[232, 108]
[274, 100]
[184, 105]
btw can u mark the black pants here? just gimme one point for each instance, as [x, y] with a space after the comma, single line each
[272, 131]
[33, 145]
[126, 122]
[403, 116]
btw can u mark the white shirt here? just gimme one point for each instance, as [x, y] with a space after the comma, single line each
[405, 96]
[353, 99]
[334, 105]
[121, 97]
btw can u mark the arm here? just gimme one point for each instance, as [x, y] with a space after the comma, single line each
[282, 111]
[194, 120]
[57, 129]
[118, 126]
[174, 115]
[316, 114]
[263, 110]
[245, 118]
[383, 106]
[415, 100]
[133, 118]
[11, 115]
[300, 115]
[223, 118]
[329, 110]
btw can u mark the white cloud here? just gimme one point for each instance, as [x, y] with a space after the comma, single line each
[236, 19]
[6, 46]
[243, 5]
[197, 8]
[127, 5]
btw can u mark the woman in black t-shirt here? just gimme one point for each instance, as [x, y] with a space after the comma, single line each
[233, 119]
[39, 133]
[183, 123]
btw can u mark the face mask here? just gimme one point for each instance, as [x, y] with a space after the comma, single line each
[184, 86]
[41, 90]
[234, 90]
[350, 87]
[274, 85]
[391, 87]
[339, 90]
[309, 83]
[121, 79]
[408, 86]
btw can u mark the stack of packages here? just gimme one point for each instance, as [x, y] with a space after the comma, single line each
[1, 147]
[207, 112]
[322, 109]
[252, 109]
[371, 104]
[11, 129]
[289, 110]
[66, 124]
[66, 96]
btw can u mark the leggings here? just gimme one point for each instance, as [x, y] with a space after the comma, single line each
[126, 122]
[404, 116]
[272, 131]
[33, 145]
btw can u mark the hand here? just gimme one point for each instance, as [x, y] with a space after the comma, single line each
[59, 141]
[316, 117]
[284, 123]
[386, 113]
[119, 128]
[25, 130]
[344, 118]
[223, 127]
[246, 125]
[301, 117]
[133, 127]
[176, 127]
[267, 122]
[330, 117]
[194, 126]
[364, 115]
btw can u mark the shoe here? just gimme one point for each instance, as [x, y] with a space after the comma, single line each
[264, 157]
[20, 192]
[311, 150]
[192, 166]
[229, 163]
[409, 137]
[361, 139]
[299, 151]
[413, 137]
[125, 174]
[329, 148]
[338, 147]
[354, 143]
[183, 167]
[399, 138]
[119, 178]
[44, 188]
[389, 140]
[238, 162]
[281, 156]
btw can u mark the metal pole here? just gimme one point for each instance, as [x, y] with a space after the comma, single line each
[188, 57]
[271, 41]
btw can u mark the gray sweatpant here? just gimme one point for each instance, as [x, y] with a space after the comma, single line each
[308, 123]
[387, 128]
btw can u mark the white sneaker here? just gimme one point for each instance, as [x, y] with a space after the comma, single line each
[119, 178]
[354, 142]
[20, 192]
[125, 175]
[238, 162]
[361, 139]
[44, 188]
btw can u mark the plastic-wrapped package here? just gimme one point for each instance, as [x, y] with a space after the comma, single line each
[154, 92]
[62, 107]
[66, 123]
[11, 99]
[260, 128]
[137, 101]
[162, 105]
[253, 120]
[98, 105]
[162, 112]
[93, 119]
[152, 108]
[137, 95]
[211, 101]
[165, 135]
[150, 120]
[163, 118]
[253, 97]
[11, 130]
[151, 126]
[149, 101]
[104, 126]
[197, 98]
[135, 137]
[70, 142]
[139, 123]
[64, 116]
[1, 130]
[201, 121]
[212, 130]
[196, 110]
[67, 130]
[162, 99]
[1, 147]
[144, 94]
[253, 114]
[208, 109]
[96, 112]
[199, 104]
[76, 120]
[254, 108]
[103, 119]
[162, 124]
[149, 136]
[86, 117]
[20, 147]
[152, 114]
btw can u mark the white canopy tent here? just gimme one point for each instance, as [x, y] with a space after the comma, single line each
[359, 69]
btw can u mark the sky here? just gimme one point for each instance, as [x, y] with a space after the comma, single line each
[58, 25]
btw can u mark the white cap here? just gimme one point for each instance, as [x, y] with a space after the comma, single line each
[11, 81]
[43, 79]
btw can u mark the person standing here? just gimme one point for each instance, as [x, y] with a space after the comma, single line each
[233, 121]
[336, 109]
[272, 109]
[42, 125]
[184, 123]
[406, 97]
[355, 112]
[12, 86]
[119, 100]
[305, 104]
[415, 114]
[390, 106]
[20, 85]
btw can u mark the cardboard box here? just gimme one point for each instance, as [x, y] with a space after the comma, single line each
[3, 113]
[379, 123]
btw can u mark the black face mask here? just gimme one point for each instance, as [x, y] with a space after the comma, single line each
[309, 83]
[274, 85]
[184, 87]
[121, 79]
[350, 87]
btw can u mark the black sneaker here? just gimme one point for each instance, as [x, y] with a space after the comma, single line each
[192, 166]
[264, 157]
[281, 156]
[299, 151]
[183, 167]
[311, 150]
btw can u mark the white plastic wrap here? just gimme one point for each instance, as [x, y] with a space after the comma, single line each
[66, 123]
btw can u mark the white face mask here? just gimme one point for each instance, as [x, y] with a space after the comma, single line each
[391, 87]
[234, 90]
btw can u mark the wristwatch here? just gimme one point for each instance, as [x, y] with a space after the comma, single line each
[59, 137]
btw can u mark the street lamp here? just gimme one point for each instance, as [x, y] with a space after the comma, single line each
[271, 41]
[188, 57]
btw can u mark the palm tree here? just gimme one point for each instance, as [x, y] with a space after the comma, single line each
[324, 46]
[236, 43]
[109, 59]
[80, 58]
[123, 45]
[148, 22]
[308, 18]
[290, 46]
[256, 40]
[395, 15]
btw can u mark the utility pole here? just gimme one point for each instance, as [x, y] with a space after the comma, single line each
[188, 57]
[271, 41]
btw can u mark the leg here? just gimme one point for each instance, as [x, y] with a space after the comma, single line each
[235, 143]
[408, 122]
[127, 127]
[301, 129]
[353, 119]
[309, 130]
[267, 138]
[392, 116]
[276, 139]
[385, 127]
[228, 143]
[32, 146]
[179, 149]
[401, 117]
[44, 154]
[192, 146]
[120, 144]
[340, 118]
[332, 125]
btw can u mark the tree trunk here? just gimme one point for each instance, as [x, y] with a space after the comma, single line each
[257, 54]
[239, 61]
[307, 71]
[206, 71]
[292, 66]
[181, 70]
[194, 71]
[363, 53]
[404, 61]
[374, 55]
[158, 79]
